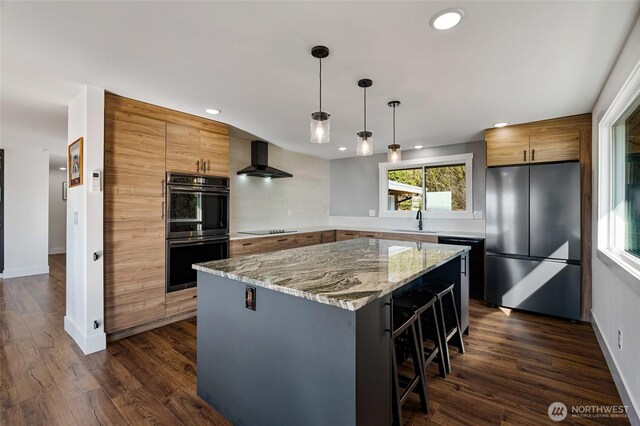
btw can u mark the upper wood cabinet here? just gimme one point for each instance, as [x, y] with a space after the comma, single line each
[506, 148]
[559, 145]
[539, 142]
[192, 150]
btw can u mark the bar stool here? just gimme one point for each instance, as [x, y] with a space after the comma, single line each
[405, 335]
[424, 306]
[448, 313]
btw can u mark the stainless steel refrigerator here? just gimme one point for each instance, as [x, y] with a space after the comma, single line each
[533, 238]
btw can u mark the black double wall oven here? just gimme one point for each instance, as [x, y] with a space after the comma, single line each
[197, 225]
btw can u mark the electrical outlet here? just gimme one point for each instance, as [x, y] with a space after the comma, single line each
[620, 339]
[477, 214]
[75, 218]
[372, 213]
[250, 298]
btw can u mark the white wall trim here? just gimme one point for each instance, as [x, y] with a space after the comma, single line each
[626, 267]
[88, 344]
[25, 272]
[58, 250]
[632, 410]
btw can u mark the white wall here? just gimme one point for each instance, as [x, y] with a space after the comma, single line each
[26, 179]
[616, 303]
[258, 203]
[85, 286]
[57, 213]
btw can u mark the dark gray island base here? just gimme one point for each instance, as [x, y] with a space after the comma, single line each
[316, 349]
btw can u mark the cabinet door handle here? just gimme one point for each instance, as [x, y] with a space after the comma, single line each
[198, 166]
[246, 244]
[525, 155]
[162, 215]
[310, 236]
[162, 182]
[533, 155]
[282, 240]
[204, 166]
[464, 262]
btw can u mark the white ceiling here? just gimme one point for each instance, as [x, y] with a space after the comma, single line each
[507, 61]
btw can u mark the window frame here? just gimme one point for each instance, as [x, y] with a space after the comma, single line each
[610, 230]
[447, 160]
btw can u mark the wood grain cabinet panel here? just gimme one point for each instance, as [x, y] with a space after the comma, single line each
[214, 151]
[181, 302]
[183, 149]
[134, 234]
[308, 239]
[328, 237]
[559, 145]
[342, 235]
[192, 150]
[506, 146]
[246, 246]
[369, 234]
[279, 243]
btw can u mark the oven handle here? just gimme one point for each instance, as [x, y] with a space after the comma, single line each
[197, 242]
[171, 188]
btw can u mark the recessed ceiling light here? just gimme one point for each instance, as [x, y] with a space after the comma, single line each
[343, 148]
[418, 146]
[446, 19]
[503, 124]
[212, 111]
[62, 168]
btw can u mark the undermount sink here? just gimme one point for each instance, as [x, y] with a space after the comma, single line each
[423, 231]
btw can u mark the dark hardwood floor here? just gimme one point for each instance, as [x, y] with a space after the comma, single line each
[515, 366]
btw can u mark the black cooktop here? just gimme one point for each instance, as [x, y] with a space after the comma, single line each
[268, 232]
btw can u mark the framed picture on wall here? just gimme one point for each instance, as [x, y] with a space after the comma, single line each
[75, 163]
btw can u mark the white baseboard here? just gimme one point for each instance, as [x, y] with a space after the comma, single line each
[25, 272]
[88, 344]
[632, 410]
[58, 250]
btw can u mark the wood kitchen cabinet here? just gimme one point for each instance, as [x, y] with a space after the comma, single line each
[134, 237]
[328, 237]
[192, 150]
[141, 143]
[540, 142]
[508, 147]
[342, 235]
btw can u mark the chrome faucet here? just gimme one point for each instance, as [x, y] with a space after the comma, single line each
[419, 218]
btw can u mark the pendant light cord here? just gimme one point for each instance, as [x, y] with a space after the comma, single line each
[365, 113]
[394, 124]
[320, 93]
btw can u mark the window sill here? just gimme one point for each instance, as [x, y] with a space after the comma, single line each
[628, 270]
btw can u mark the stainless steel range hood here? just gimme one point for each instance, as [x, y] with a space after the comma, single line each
[260, 163]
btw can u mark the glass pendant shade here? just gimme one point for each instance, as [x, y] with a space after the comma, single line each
[394, 155]
[365, 144]
[320, 127]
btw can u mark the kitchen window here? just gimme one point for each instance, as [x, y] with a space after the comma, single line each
[440, 186]
[619, 184]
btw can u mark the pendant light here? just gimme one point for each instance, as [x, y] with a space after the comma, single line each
[320, 125]
[394, 154]
[365, 138]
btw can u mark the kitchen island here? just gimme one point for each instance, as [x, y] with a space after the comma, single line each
[301, 336]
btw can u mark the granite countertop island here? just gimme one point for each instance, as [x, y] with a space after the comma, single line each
[301, 336]
[348, 274]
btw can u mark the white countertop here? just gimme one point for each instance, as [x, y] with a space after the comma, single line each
[455, 234]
